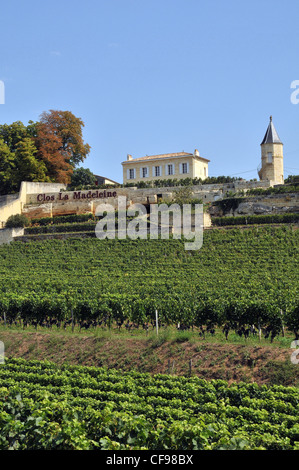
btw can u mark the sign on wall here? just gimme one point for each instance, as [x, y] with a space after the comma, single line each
[73, 196]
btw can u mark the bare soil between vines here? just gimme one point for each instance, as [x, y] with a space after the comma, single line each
[209, 360]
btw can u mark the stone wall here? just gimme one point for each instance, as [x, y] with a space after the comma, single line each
[46, 199]
[50, 204]
[254, 205]
[7, 235]
[14, 204]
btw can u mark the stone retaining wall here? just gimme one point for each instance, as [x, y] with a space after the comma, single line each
[48, 199]
[7, 235]
[254, 205]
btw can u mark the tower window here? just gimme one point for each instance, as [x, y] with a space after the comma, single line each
[269, 157]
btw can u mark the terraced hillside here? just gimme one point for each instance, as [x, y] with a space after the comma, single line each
[243, 281]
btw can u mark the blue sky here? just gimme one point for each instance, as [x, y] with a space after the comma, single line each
[152, 77]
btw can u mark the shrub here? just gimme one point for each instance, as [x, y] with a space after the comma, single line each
[281, 373]
[17, 221]
[183, 336]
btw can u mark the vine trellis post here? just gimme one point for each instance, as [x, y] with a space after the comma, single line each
[260, 331]
[282, 325]
[72, 312]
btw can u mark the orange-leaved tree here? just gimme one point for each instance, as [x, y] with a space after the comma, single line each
[60, 143]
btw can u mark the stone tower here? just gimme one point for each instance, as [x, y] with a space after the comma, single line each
[272, 156]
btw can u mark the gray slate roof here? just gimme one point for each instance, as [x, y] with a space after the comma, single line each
[271, 136]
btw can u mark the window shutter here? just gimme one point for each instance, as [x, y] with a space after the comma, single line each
[160, 170]
[181, 168]
[147, 171]
[166, 170]
[187, 167]
[128, 174]
[173, 168]
[153, 171]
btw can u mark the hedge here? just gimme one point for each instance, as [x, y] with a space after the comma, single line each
[63, 219]
[257, 219]
[61, 228]
[273, 190]
[66, 228]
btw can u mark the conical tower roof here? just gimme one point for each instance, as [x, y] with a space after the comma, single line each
[271, 136]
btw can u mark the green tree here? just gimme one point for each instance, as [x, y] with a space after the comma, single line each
[82, 177]
[29, 168]
[183, 195]
[292, 179]
[7, 167]
[13, 133]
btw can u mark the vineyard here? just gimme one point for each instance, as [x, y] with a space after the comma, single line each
[44, 406]
[244, 281]
[240, 281]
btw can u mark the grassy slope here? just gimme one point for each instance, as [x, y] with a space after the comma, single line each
[235, 360]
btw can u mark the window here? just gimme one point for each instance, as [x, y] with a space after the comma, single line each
[269, 157]
[205, 171]
[169, 169]
[157, 171]
[131, 174]
[184, 168]
[144, 172]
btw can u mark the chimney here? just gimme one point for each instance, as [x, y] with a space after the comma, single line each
[129, 157]
[196, 153]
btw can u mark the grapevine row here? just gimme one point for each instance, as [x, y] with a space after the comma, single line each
[44, 406]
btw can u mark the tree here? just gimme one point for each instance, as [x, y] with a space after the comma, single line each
[49, 147]
[69, 128]
[82, 177]
[13, 133]
[47, 150]
[7, 167]
[183, 195]
[29, 167]
[292, 179]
